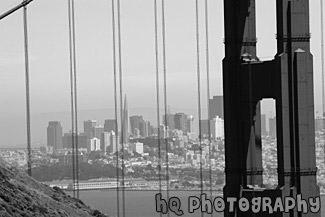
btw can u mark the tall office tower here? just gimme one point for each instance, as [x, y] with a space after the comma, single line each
[180, 121]
[105, 142]
[109, 125]
[216, 107]
[125, 122]
[217, 128]
[145, 128]
[88, 128]
[190, 123]
[82, 141]
[272, 127]
[97, 131]
[135, 122]
[94, 144]
[113, 147]
[54, 135]
[170, 121]
[263, 124]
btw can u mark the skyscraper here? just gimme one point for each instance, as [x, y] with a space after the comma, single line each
[113, 146]
[180, 121]
[109, 125]
[125, 122]
[170, 121]
[145, 128]
[94, 144]
[105, 142]
[216, 107]
[54, 135]
[190, 123]
[217, 128]
[88, 128]
[97, 131]
[135, 122]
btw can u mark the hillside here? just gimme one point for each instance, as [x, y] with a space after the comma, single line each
[21, 196]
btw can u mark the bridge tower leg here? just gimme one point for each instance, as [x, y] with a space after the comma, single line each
[288, 79]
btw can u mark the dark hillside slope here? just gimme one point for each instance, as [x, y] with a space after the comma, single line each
[21, 195]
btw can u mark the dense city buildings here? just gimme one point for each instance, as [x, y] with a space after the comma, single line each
[137, 147]
[54, 135]
[141, 153]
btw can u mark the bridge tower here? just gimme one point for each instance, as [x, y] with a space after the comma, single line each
[288, 79]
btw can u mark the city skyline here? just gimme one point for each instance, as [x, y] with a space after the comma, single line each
[101, 115]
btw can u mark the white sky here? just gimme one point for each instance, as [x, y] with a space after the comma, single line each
[49, 53]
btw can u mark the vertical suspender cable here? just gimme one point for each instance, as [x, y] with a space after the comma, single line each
[207, 56]
[75, 96]
[29, 160]
[157, 91]
[72, 98]
[115, 108]
[121, 100]
[322, 55]
[199, 90]
[165, 97]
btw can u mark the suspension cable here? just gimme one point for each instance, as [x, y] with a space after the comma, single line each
[29, 160]
[73, 90]
[165, 96]
[322, 56]
[207, 56]
[115, 108]
[121, 101]
[72, 99]
[75, 95]
[199, 90]
[157, 92]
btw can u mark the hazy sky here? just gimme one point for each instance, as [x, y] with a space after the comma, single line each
[49, 53]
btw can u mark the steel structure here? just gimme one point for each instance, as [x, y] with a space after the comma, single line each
[288, 79]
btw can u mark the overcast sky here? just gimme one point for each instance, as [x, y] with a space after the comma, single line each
[49, 53]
